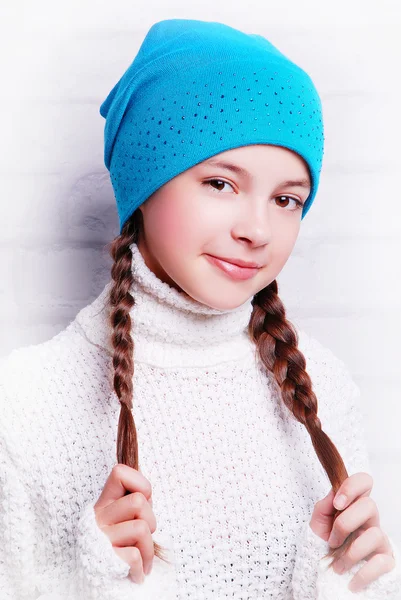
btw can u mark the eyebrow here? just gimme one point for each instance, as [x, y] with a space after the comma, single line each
[244, 173]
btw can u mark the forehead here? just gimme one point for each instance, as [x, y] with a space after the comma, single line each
[272, 161]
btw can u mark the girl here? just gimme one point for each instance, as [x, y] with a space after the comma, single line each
[187, 364]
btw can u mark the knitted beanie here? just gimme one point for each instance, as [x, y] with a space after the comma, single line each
[198, 88]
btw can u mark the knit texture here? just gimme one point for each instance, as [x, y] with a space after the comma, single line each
[234, 475]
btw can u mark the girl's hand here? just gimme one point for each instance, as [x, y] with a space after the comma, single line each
[127, 518]
[359, 512]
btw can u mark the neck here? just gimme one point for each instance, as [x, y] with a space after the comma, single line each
[171, 329]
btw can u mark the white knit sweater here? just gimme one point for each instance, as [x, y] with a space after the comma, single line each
[234, 475]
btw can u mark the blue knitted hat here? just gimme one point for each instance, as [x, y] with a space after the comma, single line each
[198, 88]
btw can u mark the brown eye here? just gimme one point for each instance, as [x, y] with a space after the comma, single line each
[220, 183]
[298, 203]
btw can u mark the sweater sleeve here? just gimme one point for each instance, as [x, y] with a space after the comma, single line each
[100, 573]
[19, 578]
[312, 578]
[97, 573]
[16, 536]
[103, 575]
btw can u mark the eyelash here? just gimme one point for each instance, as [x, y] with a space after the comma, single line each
[299, 205]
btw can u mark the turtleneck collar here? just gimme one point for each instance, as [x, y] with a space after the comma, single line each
[169, 328]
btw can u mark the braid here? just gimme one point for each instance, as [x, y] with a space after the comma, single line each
[277, 345]
[276, 340]
[121, 301]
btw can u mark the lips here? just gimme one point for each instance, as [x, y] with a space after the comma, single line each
[233, 270]
[239, 262]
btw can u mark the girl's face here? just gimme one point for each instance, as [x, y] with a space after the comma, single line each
[252, 215]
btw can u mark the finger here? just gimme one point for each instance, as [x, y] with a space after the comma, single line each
[358, 484]
[123, 478]
[127, 508]
[132, 556]
[134, 533]
[370, 542]
[362, 513]
[372, 570]
[325, 506]
[322, 516]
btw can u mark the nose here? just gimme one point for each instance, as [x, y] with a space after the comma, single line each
[254, 224]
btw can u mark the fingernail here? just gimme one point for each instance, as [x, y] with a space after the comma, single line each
[340, 567]
[149, 569]
[340, 502]
[354, 587]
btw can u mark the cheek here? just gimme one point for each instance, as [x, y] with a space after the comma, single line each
[178, 222]
[288, 240]
[285, 245]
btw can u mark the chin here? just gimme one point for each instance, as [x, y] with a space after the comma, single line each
[230, 304]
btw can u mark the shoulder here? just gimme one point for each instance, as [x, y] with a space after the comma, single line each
[55, 359]
[51, 377]
[341, 408]
[328, 367]
[331, 377]
[73, 353]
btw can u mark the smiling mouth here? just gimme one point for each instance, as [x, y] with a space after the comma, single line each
[234, 271]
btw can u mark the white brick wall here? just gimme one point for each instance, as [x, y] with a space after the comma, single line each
[342, 283]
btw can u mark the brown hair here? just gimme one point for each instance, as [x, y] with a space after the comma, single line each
[276, 343]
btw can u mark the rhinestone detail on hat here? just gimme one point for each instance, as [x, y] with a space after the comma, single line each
[178, 124]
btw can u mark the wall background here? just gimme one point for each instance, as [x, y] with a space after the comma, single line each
[342, 284]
